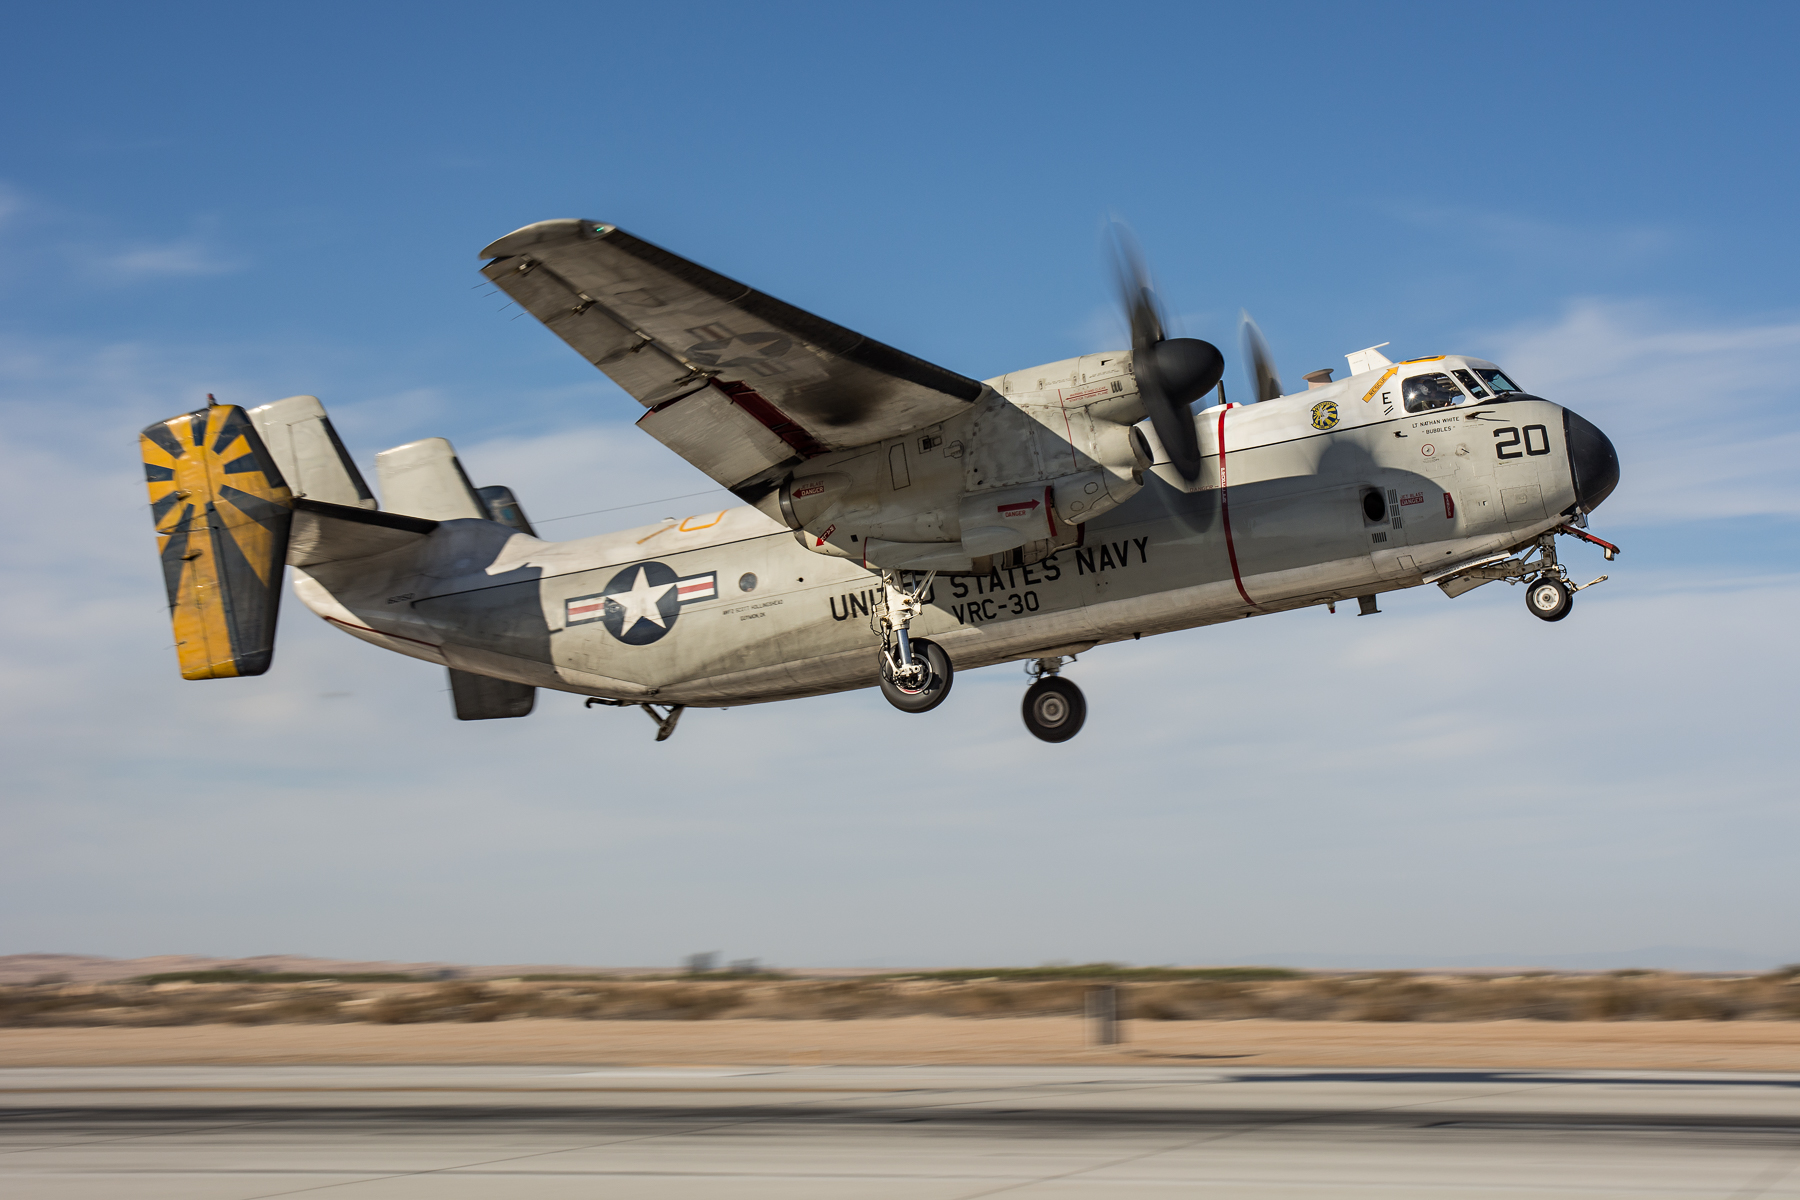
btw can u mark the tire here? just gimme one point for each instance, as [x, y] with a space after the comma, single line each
[1548, 598]
[1054, 709]
[930, 692]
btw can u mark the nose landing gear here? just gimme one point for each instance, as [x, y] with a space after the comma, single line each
[1550, 596]
[1054, 707]
[1548, 592]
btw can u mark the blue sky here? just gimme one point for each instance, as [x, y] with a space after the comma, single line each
[257, 203]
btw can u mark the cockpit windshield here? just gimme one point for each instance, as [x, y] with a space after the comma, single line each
[1468, 380]
[1497, 381]
[1426, 392]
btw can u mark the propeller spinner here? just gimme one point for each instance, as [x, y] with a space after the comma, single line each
[1172, 373]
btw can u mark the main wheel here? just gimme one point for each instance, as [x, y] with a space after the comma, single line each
[927, 691]
[1549, 598]
[1054, 709]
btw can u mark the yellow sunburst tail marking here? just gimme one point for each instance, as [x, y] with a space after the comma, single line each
[222, 512]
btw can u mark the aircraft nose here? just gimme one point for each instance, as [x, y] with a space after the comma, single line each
[1592, 461]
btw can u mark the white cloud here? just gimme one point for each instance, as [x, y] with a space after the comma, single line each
[1529, 238]
[67, 235]
[153, 260]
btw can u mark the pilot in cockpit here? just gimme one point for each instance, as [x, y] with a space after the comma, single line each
[1426, 392]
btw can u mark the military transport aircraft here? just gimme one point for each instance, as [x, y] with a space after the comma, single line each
[899, 521]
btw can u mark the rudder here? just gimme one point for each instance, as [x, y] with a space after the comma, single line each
[222, 512]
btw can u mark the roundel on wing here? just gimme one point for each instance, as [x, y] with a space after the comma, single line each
[641, 603]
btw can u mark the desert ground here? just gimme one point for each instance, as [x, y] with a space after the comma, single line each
[1235, 1017]
[1552, 1045]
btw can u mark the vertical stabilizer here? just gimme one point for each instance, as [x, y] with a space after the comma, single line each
[424, 479]
[481, 698]
[503, 507]
[308, 452]
[222, 512]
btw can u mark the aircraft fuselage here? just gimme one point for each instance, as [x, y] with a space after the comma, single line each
[1317, 498]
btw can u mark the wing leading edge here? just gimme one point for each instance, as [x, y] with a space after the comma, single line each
[740, 384]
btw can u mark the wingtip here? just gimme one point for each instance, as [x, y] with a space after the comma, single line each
[543, 231]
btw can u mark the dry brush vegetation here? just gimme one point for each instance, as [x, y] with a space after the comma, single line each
[1384, 996]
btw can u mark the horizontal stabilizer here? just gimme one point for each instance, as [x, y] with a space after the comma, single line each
[325, 533]
[222, 514]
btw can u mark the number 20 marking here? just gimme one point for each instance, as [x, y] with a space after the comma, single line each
[1540, 444]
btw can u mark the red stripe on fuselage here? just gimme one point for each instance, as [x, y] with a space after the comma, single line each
[1225, 512]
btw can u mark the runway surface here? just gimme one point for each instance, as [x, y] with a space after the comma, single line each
[890, 1133]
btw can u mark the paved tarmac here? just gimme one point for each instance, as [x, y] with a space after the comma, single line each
[890, 1133]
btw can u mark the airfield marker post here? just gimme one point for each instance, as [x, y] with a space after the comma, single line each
[1103, 1016]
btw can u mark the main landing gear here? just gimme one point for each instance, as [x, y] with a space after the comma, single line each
[915, 673]
[1054, 707]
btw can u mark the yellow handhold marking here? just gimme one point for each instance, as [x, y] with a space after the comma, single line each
[686, 528]
[1370, 394]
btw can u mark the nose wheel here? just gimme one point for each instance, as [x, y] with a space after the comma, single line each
[1054, 707]
[1549, 598]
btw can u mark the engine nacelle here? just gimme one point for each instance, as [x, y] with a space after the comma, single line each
[1008, 478]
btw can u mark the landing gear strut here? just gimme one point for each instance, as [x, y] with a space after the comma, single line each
[665, 719]
[1548, 593]
[1054, 707]
[915, 673]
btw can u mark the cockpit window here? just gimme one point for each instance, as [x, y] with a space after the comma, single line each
[1468, 380]
[1497, 381]
[1424, 392]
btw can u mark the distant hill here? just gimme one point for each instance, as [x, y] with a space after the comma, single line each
[1654, 958]
[93, 968]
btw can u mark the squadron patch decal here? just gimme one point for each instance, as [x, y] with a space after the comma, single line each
[1325, 415]
[641, 602]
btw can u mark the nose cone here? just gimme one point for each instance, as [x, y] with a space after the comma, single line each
[1592, 460]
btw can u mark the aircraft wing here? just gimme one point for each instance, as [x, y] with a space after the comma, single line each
[738, 383]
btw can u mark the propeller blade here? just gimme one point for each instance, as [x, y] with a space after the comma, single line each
[1265, 384]
[1171, 373]
[1136, 294]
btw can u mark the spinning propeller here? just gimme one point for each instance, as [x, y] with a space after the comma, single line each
[1265, 384]
[1172, 373]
